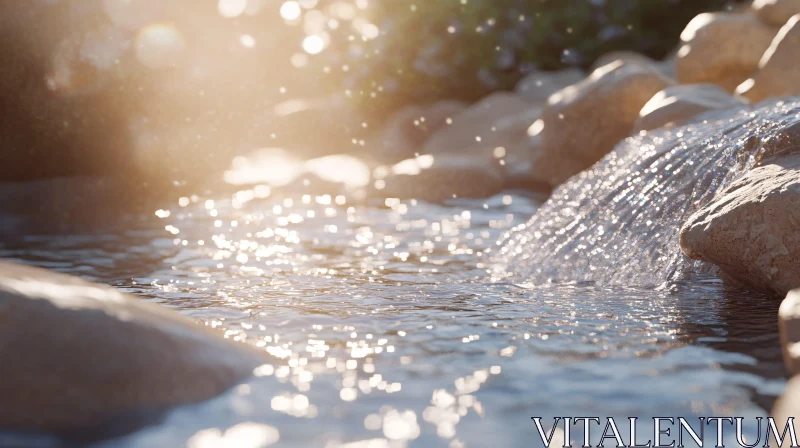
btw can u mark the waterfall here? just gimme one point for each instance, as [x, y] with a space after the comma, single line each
[619, 221]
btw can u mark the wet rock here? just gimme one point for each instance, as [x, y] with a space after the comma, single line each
[789, 325]
[583, 122]
[751, 231]
[80, 357]
[779, 70]
[537, 87]
[776, 12]
[722, 48]
[407, 130]
[438, 178]
[678, 105]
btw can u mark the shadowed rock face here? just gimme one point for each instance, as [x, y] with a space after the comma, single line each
[79, 357]
[618, 222]
[752, 229]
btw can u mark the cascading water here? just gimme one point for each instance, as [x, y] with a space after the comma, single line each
[619, 222]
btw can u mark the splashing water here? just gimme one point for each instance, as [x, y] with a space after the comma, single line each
[619, 222]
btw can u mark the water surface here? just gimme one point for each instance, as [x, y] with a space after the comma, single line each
[384, 325]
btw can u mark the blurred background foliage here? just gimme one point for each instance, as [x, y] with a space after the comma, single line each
[98, 86]
[462, 49]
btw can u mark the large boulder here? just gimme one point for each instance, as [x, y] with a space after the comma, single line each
[407, 130]
[677, 105]
[584, 122]
[779, 70]
[79, 357]
[776, 12]
[722, 48]
[536, 87]
[438, 178]
[751, 231]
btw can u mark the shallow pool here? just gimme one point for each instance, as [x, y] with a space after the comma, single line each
[385, 329]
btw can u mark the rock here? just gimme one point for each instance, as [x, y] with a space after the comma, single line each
[677, 105]
[314, 128]
[789, 325]
[438, 178]
[537, 87]
[407, 130]
[666, 66]
[787, 406]
[722, 48]
[779, 71]
[776, 12]
[751, 231]
[81, 357]
[480, 128]
[585, 121]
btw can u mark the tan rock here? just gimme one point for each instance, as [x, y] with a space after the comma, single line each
[677, 105]
[537, 87]
[776, 12]
[779, 70]
[787, 406]
[789, 325]
[751, 231]
[78, 355]
[481, 127]
[666, 66]
[722, 48]
[585, 121]
[439, 178]
[407, 130]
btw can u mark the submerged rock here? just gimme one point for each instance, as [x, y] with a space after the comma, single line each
[752, 229]
[618, 222]
[776, 12]
[779, 70]
[80, 358]
[789, 325]
[439, 178]
[537, 87]
[677, 105]
[584, 122]
[722, 48]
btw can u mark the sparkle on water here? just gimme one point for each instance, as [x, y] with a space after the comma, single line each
[385, 328]
[618, 222]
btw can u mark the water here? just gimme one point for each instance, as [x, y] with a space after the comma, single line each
[388, 322]
[617, 222]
